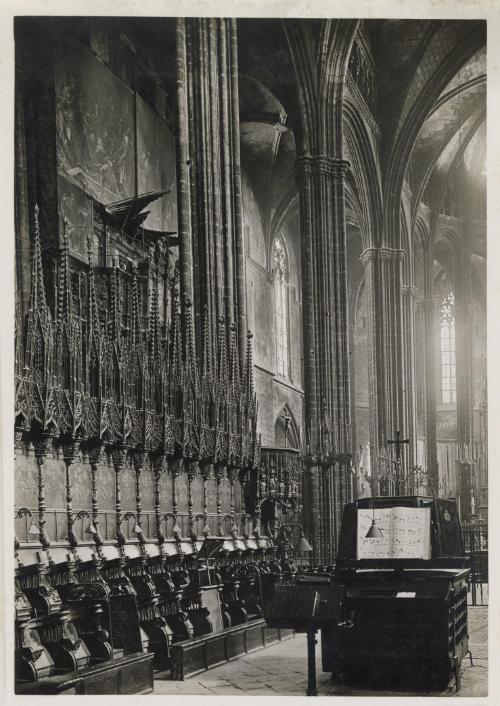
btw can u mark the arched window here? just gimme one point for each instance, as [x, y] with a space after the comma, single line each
[280, 260]
[448, 359]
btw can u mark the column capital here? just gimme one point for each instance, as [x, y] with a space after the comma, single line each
[409, 290]
[391, 254]
[332, 166]
[386, 254]
[368, 255]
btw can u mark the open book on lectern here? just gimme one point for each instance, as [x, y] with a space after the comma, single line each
[404, 533]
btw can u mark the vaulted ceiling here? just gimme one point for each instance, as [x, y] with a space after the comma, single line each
[456, 121]
[431, 84]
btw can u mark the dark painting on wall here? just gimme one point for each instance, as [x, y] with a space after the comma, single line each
[156, 166]
[95, 127]
[75, 207]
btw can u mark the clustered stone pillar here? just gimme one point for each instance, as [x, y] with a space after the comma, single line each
[369, 259]
[463, 345]
[391, 339]
[429, 311]
[326, 333]
[464, 377]
[209, 173]
[409, 296]
[387, 382]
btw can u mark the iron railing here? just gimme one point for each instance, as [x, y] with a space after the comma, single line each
[475, 537]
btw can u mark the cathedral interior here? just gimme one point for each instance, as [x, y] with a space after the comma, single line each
[250, 292]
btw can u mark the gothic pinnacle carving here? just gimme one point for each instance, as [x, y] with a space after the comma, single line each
[38, 300]
[234, 361]
[207, 353]
[65, 299]
[117, 384]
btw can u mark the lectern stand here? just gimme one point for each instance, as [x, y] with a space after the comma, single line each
[308, 606]
[311, 661]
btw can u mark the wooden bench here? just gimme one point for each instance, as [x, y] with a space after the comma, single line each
[190, 657]
[132, 674]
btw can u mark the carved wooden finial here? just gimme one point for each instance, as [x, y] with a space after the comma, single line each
[38, 300]
[90, 247]
[207, 357]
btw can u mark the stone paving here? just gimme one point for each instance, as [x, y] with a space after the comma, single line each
[282, 670]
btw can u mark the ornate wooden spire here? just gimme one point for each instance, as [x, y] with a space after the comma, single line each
[154, 326]
[222, 368]
[135, 327]
[65, 299]
[176, 348]
[235, 361]
[39, 343]
[190, 358]
[94, 325]
[249, 380]
[116, 308]
[207, 369]
[38, 301]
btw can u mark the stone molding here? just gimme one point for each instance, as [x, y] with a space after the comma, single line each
[331, 166]
[368, 255]
[360, 103]
[391, 254]
[384, 253]
[409, 290]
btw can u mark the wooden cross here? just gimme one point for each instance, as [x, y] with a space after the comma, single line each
[398, 441]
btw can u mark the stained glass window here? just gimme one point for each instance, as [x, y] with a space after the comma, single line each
[280, 260]
[448, 358]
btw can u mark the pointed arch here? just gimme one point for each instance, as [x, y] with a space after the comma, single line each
[286, 431]
[365, 172]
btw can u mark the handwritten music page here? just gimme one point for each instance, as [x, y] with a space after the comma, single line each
[406, 533]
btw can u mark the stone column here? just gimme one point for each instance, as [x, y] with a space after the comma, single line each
[376, 396]
[409, 296]
[463, 346]
[392, 339]
[326, 335]
[464, 376]
[387, 352]
[209, 174]
[430, 314]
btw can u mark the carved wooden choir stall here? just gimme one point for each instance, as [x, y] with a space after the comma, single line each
[150, 561]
